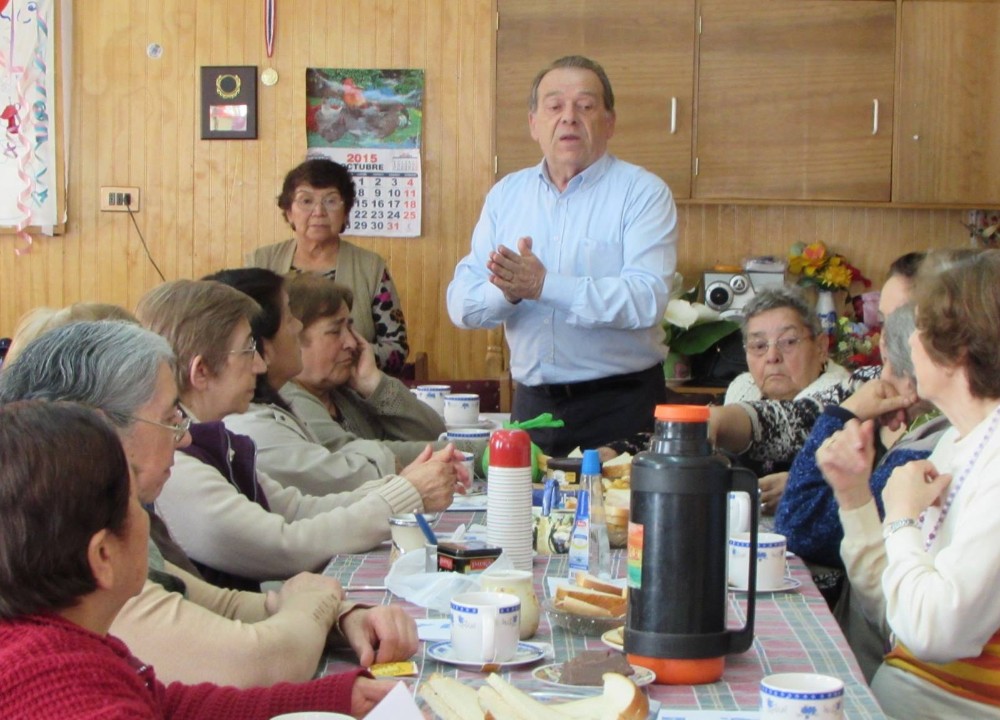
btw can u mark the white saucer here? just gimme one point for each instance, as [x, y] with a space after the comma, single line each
[609, 639]
[549, 674]
[526, 653]
[787, 585]
[481, 424]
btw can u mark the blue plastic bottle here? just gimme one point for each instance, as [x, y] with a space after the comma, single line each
[589, 549]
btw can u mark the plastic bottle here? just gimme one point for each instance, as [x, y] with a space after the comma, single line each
[589, 549]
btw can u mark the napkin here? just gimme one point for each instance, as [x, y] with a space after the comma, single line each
[397, 705]
[433, 590]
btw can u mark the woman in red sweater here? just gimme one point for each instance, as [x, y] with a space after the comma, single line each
[72, 551]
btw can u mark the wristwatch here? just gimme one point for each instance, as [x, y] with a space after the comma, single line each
[889, 528]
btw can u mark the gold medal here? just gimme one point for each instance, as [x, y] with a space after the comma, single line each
[269, 77]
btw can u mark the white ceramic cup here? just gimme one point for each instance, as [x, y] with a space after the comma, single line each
[461, 409]
[466, 434]
[485, 626]
[433, 395]
[770, 560]
[739, 513]
[797, 695]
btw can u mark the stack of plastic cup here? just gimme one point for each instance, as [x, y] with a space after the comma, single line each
[508, 496]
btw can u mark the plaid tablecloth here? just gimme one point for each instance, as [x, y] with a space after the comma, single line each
[794, 632]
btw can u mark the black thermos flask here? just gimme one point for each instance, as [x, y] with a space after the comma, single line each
[677, 544]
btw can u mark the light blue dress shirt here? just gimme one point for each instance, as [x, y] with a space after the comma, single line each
[609, 246]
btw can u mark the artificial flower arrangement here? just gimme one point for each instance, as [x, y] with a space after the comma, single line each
[818, 267]
[855, 344]
[692, 327]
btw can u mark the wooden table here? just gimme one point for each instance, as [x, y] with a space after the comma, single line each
[794, 632]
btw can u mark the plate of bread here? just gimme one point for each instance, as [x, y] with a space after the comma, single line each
[590, 607]
[449, 699]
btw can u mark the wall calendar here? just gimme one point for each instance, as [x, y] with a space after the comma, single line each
[370, 120]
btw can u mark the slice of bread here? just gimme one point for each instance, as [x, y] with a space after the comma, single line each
[450, 699]
[586, 580]
[621, 700]
[582, 601]
[617, 467]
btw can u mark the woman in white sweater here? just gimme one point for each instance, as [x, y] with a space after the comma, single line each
[237, 524]
[930, 569]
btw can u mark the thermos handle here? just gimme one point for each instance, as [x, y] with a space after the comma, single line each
[745, 481]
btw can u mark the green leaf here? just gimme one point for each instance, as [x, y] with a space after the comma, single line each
[700, 338]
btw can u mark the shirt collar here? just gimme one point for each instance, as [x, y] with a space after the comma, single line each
[587, 177]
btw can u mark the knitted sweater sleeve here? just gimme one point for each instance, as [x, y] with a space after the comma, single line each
[197, 702]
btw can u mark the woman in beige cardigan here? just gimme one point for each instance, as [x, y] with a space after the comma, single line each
[316, 200]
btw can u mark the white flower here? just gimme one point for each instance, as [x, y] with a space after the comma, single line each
[683, 314]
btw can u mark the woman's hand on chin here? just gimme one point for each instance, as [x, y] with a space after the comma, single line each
[365, 376]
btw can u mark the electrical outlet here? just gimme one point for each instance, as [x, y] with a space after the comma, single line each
[119, 199]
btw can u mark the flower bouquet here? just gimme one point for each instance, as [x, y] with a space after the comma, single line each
[818, 267]
[984, 228]
[855, 344]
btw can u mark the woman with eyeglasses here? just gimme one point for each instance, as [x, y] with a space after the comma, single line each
[237, 523]
[73, 550]
[316, 200]
[786, 352]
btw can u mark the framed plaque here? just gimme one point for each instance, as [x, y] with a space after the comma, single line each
[229, 102]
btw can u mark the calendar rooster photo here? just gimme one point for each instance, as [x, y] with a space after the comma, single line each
[364, 108]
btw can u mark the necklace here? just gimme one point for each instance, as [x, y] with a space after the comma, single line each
[957, 484]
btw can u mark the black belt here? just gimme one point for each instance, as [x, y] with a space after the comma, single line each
[579, 389]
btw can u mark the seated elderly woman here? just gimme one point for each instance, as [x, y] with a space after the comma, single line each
[190, 630]
[42, 319]
[930, 568]
[807, 513]
[237, 524]
[340, 393]
[287, 449]
[72, 552]
[786, 351]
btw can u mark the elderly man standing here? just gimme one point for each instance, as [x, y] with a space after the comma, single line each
[574, 257]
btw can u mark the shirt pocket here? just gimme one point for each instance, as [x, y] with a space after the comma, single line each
[599, 258]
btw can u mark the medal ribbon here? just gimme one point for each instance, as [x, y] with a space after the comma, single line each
[269, 21]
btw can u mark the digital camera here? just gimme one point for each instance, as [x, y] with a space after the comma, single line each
[729, 292]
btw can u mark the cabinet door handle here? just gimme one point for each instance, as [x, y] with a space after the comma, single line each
[875, 116]
[673, 115]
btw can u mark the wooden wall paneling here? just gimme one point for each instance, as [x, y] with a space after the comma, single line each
[205, 203]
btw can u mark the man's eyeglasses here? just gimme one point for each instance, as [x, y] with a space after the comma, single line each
[760, 347]
[330, 204]
[249, 350]
[179, 429]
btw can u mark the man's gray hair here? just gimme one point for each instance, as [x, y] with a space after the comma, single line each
[111, 366]
[896, 334]
[574, 61]
[777, 297]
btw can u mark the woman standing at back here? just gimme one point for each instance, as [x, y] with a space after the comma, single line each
[316, 200]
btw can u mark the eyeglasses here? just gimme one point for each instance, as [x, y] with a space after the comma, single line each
[307, 203]
[178, 429]
[788, 344]
[249, 350]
